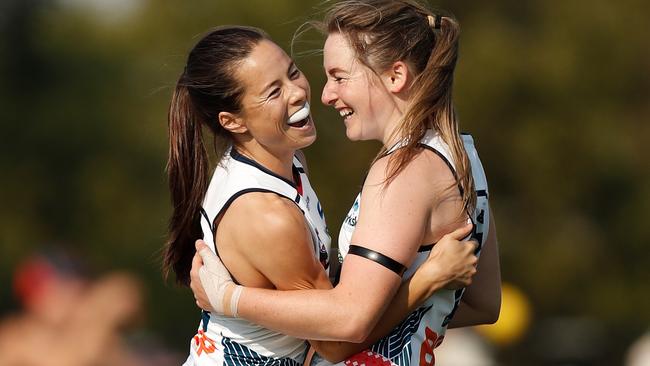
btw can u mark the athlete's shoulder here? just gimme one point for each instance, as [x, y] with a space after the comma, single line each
[267, 214]
[423, 169]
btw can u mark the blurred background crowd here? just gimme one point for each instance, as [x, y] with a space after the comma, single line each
[555, 93]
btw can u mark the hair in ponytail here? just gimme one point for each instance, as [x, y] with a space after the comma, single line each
[206, 87]
[382, 32]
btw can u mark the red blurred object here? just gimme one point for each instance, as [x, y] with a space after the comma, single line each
[31, 277]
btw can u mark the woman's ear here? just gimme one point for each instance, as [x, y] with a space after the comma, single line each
[232, 123]
[397, 77]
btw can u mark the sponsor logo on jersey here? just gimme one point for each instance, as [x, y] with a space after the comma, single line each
[427, 358]
[204, 343]
[351, 220]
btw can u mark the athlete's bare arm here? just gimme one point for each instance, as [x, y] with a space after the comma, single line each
[264, 242]
[481, 301]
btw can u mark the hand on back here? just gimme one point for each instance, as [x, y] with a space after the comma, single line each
[451, 260]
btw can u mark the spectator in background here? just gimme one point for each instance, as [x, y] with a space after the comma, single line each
[68, 319]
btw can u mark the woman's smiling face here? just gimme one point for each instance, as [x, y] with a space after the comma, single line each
[355, 91]
[274, 90]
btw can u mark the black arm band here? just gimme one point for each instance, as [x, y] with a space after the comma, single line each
[377, 257]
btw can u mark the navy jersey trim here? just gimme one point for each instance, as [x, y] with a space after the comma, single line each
[235, 354]
[243, 159]
[205, 319]
[451, 167]
[207, 218]
[225, 207]
[239, 194]
[428, 247]
[423, 145]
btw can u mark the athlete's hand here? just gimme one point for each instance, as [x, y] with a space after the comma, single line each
[213, 287]
[200, 296]
[451, 262]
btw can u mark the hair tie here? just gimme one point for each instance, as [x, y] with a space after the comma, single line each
[435, 21]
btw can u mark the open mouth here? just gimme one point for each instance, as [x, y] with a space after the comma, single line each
[346, 112]
[300, 123]
[300, 118]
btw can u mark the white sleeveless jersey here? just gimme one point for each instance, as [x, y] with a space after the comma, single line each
[229, 341]
[412, 342]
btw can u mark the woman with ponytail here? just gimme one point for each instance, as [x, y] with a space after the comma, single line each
[390, 67]
[256, 209]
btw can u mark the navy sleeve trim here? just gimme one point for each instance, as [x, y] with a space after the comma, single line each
[205, 216]
[451, 167]
[379, 258]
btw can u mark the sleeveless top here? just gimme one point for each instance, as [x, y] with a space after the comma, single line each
[412, 342]
[229, 341]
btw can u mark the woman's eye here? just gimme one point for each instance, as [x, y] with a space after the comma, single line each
[295, 73]
[274, 92]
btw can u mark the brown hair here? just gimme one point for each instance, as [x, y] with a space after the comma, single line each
[384, 31]
[206, 87]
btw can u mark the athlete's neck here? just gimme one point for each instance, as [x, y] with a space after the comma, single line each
[388, 136]
[279, 163]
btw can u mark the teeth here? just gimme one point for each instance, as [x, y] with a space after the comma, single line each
[300, 115]
[345, 112]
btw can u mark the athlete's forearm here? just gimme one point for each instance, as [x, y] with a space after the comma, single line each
[467, 316]
[348, 312]
[409, 297]
[339, 314]
[481, 302]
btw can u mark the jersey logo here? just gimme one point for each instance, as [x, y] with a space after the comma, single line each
[204, 343]
[431, 341]
[350, 220]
